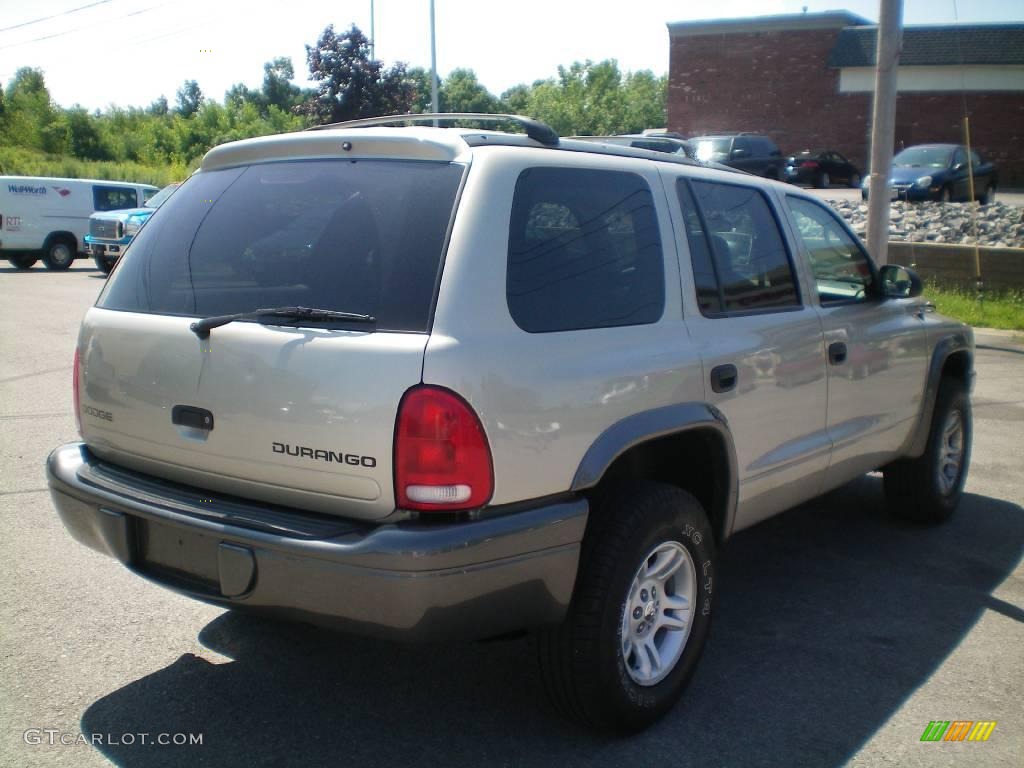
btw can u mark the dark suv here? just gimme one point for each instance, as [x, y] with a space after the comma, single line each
[745, 151]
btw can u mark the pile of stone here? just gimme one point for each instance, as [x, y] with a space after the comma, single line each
[996, 224]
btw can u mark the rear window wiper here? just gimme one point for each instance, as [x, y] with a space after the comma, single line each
[201, 328]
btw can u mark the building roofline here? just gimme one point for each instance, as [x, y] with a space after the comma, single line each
[778, 23]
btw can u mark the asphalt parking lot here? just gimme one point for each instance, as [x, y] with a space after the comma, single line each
[839, 634]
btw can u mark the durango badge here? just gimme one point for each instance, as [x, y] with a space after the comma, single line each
[319, 454]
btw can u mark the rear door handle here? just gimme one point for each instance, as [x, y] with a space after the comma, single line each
[190, 416]
[723, 378]
[837, 353]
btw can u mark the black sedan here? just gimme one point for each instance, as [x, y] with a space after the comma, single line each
[821, 169]
[940, 172]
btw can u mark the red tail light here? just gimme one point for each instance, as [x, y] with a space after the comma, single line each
[442, 460]
[809, 163]
[77, 399]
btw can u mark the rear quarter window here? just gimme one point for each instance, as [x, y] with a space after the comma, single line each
[584, 251]
[362, 236]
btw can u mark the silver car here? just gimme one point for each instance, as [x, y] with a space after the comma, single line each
[427, 382]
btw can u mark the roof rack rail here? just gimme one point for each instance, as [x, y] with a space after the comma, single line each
[535, 129]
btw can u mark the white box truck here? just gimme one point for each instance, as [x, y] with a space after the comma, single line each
[48, 218]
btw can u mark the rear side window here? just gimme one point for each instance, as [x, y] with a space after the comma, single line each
[114, 198]
[584, 251]
[740, 262]
[361, 236]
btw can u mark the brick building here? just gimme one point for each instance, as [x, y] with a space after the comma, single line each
[806, 80]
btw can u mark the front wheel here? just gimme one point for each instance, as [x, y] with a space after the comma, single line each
[104, 263]
[60, 253]
[928, 489]
[990, 195]
[855, 181]
[640, 613]
[946, 195]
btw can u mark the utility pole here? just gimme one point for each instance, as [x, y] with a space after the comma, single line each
[433, 65]
[373, 34]
[883, 125]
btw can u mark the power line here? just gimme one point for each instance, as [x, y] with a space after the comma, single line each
[56, 15]
[83, 27]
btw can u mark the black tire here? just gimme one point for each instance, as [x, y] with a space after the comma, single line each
[585, 673]
[104, 264]
[990, 195]
[854, 181]
[60, 254]
[946, 195]
[821, 181]
[22, 261]
[913, 488]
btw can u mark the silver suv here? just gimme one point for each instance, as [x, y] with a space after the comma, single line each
[427, 382]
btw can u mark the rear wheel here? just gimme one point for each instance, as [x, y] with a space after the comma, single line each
[854, 180]
[22, 261]
[640, 613]
[822, 180]
[60, 253]
[928, 489]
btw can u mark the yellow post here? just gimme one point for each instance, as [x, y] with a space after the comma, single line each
[970, 165]
[970, 188]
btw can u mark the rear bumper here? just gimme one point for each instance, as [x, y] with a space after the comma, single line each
[412, 581]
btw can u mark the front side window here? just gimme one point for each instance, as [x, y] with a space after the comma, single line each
[842, 272]
[740, 262]
[583, 251]
[363, 236]
[114, 198]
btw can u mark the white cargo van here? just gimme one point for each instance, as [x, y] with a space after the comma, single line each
[48, 218]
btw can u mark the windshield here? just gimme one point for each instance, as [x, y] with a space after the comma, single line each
[711, 149]
[362, 236]
[923, 157]
[158, 199]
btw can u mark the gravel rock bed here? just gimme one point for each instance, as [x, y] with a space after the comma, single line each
[997, 224]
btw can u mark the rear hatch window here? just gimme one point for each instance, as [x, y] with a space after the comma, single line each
[363, 236]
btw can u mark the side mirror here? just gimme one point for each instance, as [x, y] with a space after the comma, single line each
[740, 153]
[959, 166]
[899, 282]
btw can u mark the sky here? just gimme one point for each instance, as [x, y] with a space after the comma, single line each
[130, 52]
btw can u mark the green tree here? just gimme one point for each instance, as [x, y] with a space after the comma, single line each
[160, 107]
[84, 136]
[419, 80]
[644, 94]
[240, 94]
[30, 113]
[595, 99]
[349, 83]
[190, 98]
[462, 92]
[278, 90]
[516, 100]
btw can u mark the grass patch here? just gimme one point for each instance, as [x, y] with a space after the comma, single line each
[994, 310]
[18, 161]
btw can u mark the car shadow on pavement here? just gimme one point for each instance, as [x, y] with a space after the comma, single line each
[828, 617]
